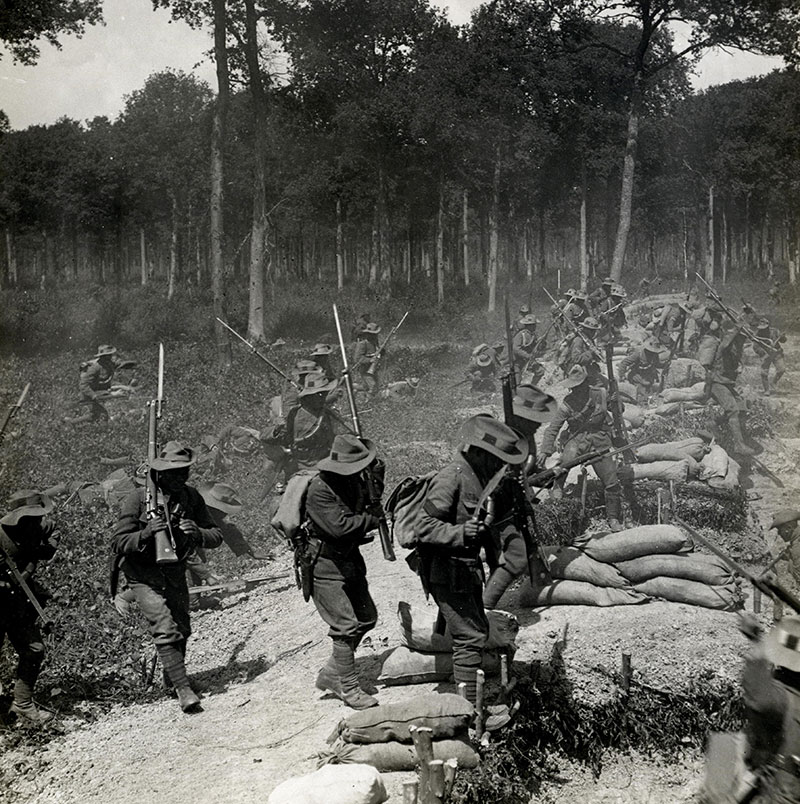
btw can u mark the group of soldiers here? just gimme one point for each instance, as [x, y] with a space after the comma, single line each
[467, 514]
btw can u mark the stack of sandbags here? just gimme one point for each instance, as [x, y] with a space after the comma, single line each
[673, 460]
[381, 736]
[683, 372]
[671, 408]
[657, 560]
[694, 393]
[719, 470]
[633, 415]
[354, 784]
[663, 470]
[425, 655]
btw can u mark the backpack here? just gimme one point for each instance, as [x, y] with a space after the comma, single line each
[404, 506]
[291, 514]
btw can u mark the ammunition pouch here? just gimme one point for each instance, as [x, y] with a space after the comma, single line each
[307, 549]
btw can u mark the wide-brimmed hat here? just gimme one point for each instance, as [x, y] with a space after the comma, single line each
[174, 455]
[483, 358]
[317, 383]
[782, 645]
[413, 381]
[533, 404]
[220, 496]
[529, 321]
[569, 292]
[27, 502]
[606, 280]
[579, 295]
[653, 345]
[371, 329]
[496, 438]
[783, 517]
[349, 455]
[105, 350]
[619, 292]
[590, 323]
[575, 376]
[322, 349]
[762, 325]
[305, 367]
[524, 309]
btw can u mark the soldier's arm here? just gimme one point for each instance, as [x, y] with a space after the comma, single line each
[627, 363]
[210, 534]
[332, 517]
[436, 525]
[129, 535]
[88, 379]
[552, 431]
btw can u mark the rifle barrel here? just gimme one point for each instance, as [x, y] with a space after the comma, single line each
[258, 354]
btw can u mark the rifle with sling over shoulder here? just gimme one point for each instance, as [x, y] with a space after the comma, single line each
[592, 347]
[374, 497]
[13, 410]
[522, 495]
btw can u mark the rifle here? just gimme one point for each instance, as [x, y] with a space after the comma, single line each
[374, 497]
[235, 587]
[545, 478]
[379, 352]
[766, 586]
[620, 428]
[767, 472]
[765, 344]
[13, 410]
[674, 348]
[576, 329]
[164, 538]
[512, 374]
[47, 625]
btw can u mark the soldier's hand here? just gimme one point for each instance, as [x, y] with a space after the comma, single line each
[473, 533]
[189, 527]
[154, 525]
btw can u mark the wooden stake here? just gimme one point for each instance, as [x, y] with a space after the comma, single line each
[658, 497]
[626, 673]
[462, 689]
[480, 680]
[504, 670]
[450, 767]
[437, 783]
[423, 743]
[410, 790]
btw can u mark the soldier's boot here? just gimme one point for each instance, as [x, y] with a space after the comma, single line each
[498, 582]
[352, 695]
[328, 678]
[613, 510]
[24, 707]
[173, 662]
[765, 382]
[739, 447]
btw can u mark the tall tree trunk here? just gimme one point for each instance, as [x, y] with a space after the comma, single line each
[542, 261]
[385, 261]
[173, 250]
[724, 250]
[440, 245]
[628, 172]
[376, 245]
[584, 256]
[142, 256]
[494, 213]
[339, 246]
[407, 255]
[465, 235]
[218, 277]
[11, 257]
[710, 235]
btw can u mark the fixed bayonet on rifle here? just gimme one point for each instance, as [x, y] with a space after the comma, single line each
[383, 527]
[592, 347]
[19, 579]
[763, 343]
[235, 587]
[766, 586]
[390, 335]
[258, 354]
[13, 410]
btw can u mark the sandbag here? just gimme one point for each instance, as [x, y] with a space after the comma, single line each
[644, 540]
[662, 470]
[671, 408]
[404, 666]
[418, 630]
[731, 480]
[446, 714]
[694, 393]
[627, 390]
[680, 590]
[333, 784]
[715, 464]
[672, 450]
[578, 593]
[683, 372]
[571, 564]
[633, 414]
[693, 567]
[394, 757]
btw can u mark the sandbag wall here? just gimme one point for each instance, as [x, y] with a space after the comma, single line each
[631, 567]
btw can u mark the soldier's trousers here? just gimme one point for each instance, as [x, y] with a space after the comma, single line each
[727, 397]
[605, 468]
[165, 606]
[18, 622]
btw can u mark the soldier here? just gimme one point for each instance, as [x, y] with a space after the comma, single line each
[576, 309]
[291, 390]
[610, 314]
[26, 537]
[482, 369]
[366, 359]
[451, 531]
[601, 294]
[340, 517]
[160, 589]
[721, 357]
[775, 338]
[576, 352]
[787, 563]
[749, 315]
[358, 327]
[585, 412]
[524, 312]
[670, 328]
[524, 342]
[322, 357]
[221, 501]
[531, 407]
[95, 384]
[642, 367]
[306, 435]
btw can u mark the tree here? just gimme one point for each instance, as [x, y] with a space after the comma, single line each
[22, 24]
[751, 25]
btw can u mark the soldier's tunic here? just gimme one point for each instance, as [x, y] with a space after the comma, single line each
[160, 590]
[524, 344]
[336, 507]
[775, 358]
[642, 368]
[575, 352]
[723, 358]
[27, 544]
[367, 366]
[576, 312]
[95, 379]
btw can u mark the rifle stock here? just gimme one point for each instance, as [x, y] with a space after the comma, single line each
[375, 500]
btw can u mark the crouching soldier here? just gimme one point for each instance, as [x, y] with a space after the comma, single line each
[26, 537]
[340, 518]
[642, 367]
[157, 585]
[95, 384]
[451, 531]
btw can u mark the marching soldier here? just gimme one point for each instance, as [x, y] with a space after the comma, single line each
[721, 357]
[341, 517]
[531, 407]
[367, 359]
[576, 352]
[642, 367]
[95, 383]
[306, 435]
[160, 589]
[26, 538]
[585, 413]
[770, 358]
[452, 531]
